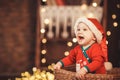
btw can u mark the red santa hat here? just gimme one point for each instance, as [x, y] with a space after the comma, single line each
[94, 26]
[97, 30]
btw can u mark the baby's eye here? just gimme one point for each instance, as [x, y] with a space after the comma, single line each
[78, 29]
[84, 29]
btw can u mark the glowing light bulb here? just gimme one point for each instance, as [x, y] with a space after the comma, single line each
[106, 42]
[43, 60]
[108, 33]
[74, 40]
[42, 30]
[69, 44]
[115, 24]
[43, 10]
[94, 4]
[44, 0]
[66, 53]
[43, 51]
[84, 6]
[44, 40]
[34, 69]
[46, 21]
[114, 16]
[118, 5]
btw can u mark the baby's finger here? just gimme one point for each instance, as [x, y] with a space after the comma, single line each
[82, 77]
[78, 76]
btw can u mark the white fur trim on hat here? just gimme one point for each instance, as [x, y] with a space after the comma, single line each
[92, 27]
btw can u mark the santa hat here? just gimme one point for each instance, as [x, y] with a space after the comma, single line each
[97, 30]
[94, 26]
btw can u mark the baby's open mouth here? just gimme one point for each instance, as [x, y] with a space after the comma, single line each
[80, 37]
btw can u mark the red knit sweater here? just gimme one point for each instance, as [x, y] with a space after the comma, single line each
[95, 54]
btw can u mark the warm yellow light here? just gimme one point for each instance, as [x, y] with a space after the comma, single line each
[43, 51]
[74, 40]
[118, 5]
[34, 69]
[44, 0]
[84, 7]
[43, 60]
[108, 33]
[43, 10]
[46, 21]
[22, 74]
[44, 40]
[42, 30]
[69, 44]
[114, 16]
[115, 24]
[107, 42]
[94, 4]
[66, 53]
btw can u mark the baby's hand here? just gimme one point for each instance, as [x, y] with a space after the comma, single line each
[80, 74]
[58, 65]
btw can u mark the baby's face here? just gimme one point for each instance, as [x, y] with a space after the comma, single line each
[84, 35]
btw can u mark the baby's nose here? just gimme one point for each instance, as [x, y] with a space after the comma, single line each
[79, 31]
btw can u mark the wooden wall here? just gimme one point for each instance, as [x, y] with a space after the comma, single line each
[17, 35]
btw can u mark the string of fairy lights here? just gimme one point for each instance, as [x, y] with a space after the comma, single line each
[114, 18]
[44, 41]
[44, 49]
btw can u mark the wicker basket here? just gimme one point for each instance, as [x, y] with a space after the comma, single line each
[114, 71]
[63, 74]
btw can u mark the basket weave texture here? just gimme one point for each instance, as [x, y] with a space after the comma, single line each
[63, 74]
